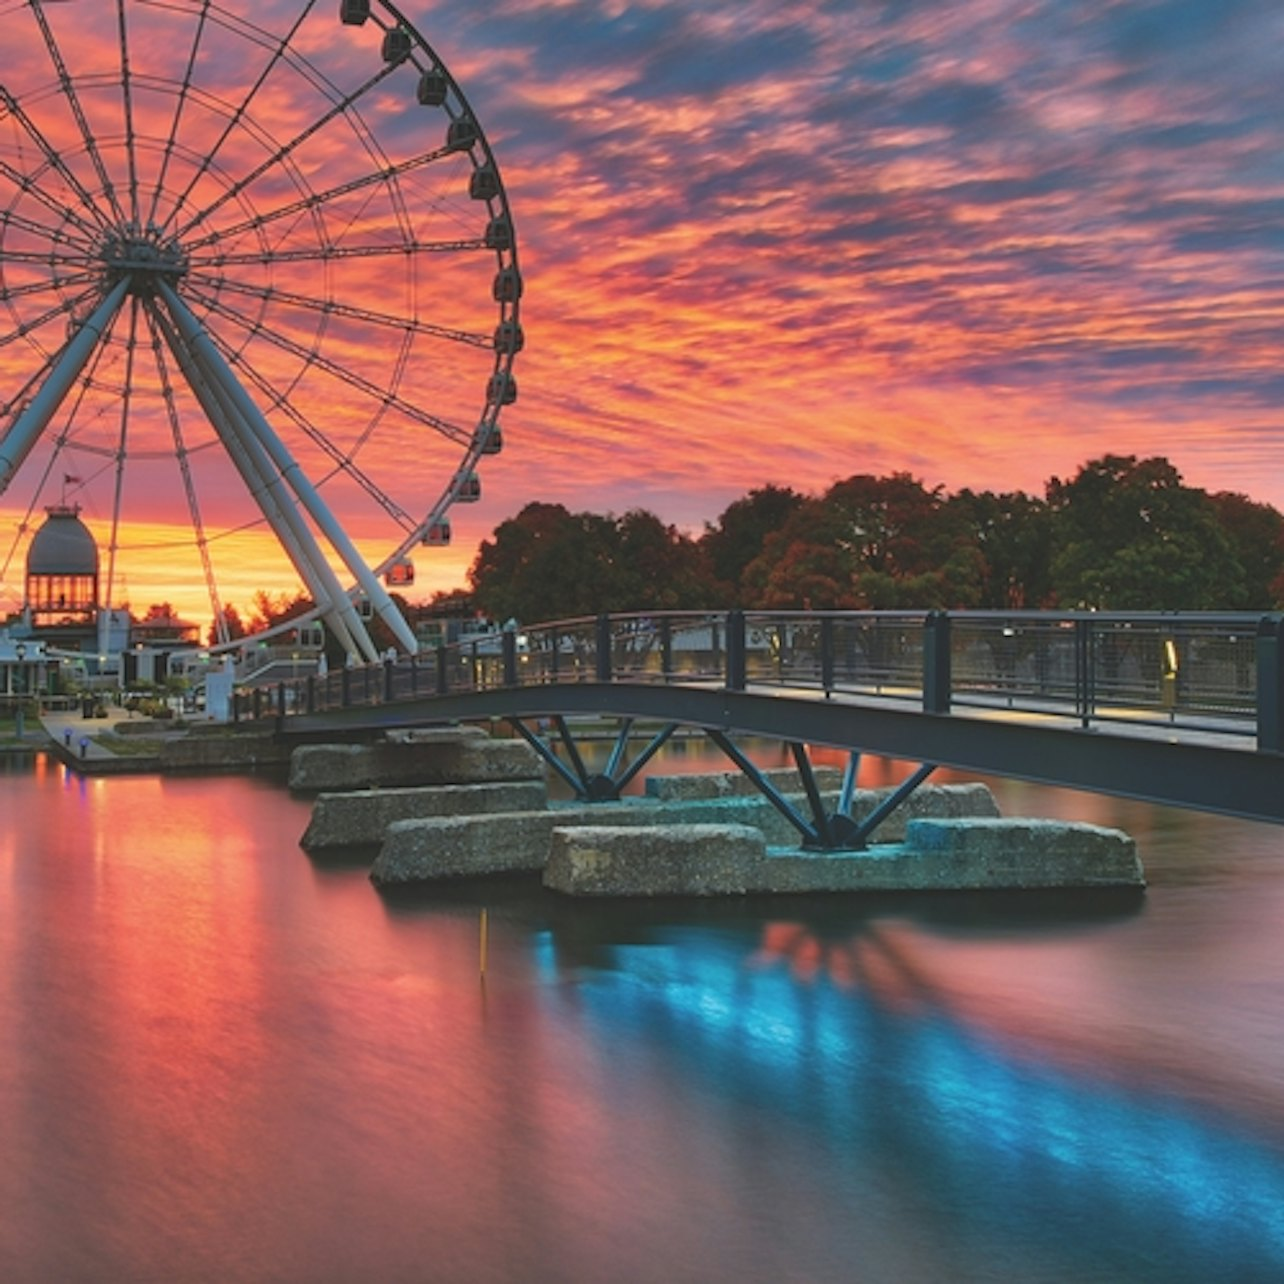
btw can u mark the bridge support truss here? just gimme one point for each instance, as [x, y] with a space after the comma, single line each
[820, 830]
[606, 785]
[824, 830]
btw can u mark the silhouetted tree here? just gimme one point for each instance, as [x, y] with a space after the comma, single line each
[1256, 534]
[1128, 535]
[868, 542]
[1013, 534]
[232, 623]
[739, 535]
[549, 563]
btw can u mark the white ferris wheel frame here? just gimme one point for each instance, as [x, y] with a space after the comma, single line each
[138, 262]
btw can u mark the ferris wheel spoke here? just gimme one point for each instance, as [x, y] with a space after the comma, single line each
[11, 292]
[29, 185]
[44, 258]
[53, 158]
[122, 443]
[313, 305]
[343, 460]
[182, 455]
[184, 90]
[55, 236]
[73, 101]
[452, 432]
[127, 101]
[279, 50]
[28, 327]
[382, 174]
[321, 254]
[286, 150]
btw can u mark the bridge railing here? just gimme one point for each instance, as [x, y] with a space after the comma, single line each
[1198, 670]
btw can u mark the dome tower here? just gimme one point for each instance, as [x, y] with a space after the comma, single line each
[62, 572]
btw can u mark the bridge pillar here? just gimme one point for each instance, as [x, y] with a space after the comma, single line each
[508, 640]
[936, 663]
[827, 655]
[1270, 683]
[736, 671]
[604, 666]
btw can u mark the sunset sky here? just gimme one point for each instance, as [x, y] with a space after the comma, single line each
[979, 240]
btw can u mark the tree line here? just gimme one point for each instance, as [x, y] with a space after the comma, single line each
[1122, 534]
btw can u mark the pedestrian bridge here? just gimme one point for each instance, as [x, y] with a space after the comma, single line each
[1183, 709]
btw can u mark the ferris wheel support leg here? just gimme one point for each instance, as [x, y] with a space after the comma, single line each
[286, 524]
[212, 361]
[267, 490]
[26, 429]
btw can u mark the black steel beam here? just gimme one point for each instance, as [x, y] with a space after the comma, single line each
[1201, 776]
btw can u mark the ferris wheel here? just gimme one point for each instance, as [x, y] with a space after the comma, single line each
[259, 294]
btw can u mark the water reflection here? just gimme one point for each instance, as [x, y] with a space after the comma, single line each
[220, 1060]
[997, 1132]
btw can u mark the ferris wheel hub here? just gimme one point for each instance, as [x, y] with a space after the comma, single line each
[143, 257]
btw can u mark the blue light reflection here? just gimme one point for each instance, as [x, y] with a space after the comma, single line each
[1002, 1146]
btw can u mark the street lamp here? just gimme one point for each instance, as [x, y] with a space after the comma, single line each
[21, 685]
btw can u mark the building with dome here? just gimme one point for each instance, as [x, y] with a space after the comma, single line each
[61, 599]
[61, 607]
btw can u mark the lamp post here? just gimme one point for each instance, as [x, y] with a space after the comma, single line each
[20, 683]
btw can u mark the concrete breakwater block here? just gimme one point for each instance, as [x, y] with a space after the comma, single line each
[520, 840]
[360, 817]
[1019, 852]
[456, 757]
[429, 848]
[418, 850]
[653, 860]
[939, 855]
[942, 802]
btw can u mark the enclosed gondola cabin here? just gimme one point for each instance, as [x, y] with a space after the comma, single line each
[401, 574]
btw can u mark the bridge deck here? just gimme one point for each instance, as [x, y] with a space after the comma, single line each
[1208, 769]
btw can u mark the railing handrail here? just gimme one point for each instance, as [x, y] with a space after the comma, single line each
[1154, 666]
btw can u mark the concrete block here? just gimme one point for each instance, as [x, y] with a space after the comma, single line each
[1019, 852]
[448, 759]
[927, 801]
[428, 849]
[360, 818]
[652, 860]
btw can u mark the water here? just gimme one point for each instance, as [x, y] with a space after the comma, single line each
[222, 1061]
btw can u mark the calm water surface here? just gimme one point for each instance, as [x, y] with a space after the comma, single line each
[223, 1061]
